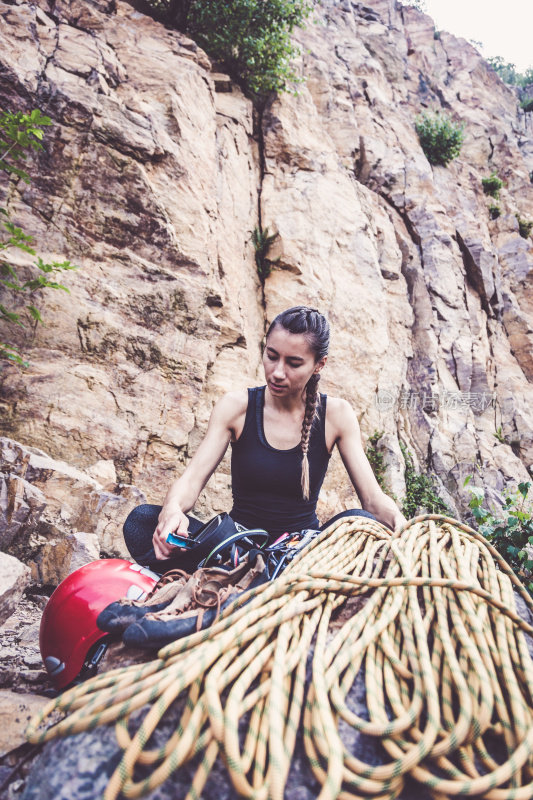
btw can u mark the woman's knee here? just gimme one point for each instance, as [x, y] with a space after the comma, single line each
[139, 527]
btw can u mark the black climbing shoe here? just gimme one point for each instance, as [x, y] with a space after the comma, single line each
[209, 591]
[116, 617]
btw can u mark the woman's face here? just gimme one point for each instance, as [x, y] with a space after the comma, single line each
[288, 362]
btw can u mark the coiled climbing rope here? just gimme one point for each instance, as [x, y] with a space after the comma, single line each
[447, 672]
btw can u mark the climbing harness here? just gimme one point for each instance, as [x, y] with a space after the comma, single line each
[436, 638]
[286, 547]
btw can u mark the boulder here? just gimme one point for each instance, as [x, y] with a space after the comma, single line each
[57, 517]
[14, 578]
[16, 710]
[59, 557]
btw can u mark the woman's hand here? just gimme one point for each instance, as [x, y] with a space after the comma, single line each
[171, 520]
[399, 522]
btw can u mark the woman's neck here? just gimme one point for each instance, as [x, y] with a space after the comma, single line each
[292, 403]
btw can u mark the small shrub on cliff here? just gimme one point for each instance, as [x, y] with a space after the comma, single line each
[250, 38]
[262, 242]
[375, 458]
[19, 133]
[494, 211]
[524, 226]
[420, 493]
[440, 137]
[492, 185]
[509, 529]
[526, 104]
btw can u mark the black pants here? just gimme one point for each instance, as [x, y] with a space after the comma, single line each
[142, 521]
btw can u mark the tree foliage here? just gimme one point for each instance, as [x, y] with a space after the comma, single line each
[508, 72]
[19, 134]
[250, 38]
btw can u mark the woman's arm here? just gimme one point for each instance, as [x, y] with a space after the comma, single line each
[348, 440]
[184, 492]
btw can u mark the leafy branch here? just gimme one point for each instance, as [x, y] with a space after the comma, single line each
[20, 133]
[509, 528]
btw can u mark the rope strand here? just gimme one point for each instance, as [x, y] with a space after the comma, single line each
[439, 643]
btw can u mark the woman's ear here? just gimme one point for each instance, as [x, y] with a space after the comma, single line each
[320, 364]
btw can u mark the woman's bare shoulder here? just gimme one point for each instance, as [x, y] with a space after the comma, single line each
[340, 413]
[237, 399]
[232, 405]
[337, 405]
[230, 412]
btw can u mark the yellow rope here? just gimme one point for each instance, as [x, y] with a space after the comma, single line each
[448, 676]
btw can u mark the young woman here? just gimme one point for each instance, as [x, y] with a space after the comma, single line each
[282, 436]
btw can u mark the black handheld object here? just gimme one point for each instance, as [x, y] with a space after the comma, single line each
[215, 541]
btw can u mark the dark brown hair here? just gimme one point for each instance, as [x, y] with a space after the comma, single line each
[315, 327]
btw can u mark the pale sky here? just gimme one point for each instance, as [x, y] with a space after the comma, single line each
[504, 28]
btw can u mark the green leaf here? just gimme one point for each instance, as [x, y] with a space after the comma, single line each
[7, 269]
[11, 354]
[34, 313]
[20, 133]
[9, 316]
[478, 494]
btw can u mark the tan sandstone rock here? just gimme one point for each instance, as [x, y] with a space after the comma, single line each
[156, 172]
[57, 517]
[14, 577]
[16, 711]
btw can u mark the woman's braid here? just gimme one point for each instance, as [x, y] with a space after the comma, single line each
[311, 410]
[315, 328]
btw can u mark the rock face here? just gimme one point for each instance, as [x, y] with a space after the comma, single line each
[153, 176]
[16, 710]
[152, 180]
[14, 577]
[56, 517]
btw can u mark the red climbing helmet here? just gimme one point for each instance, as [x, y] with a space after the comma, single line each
[69, 638]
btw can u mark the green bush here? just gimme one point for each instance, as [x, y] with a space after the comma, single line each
[526, 104]
[494, 211]
[509, 529]
[492, 185]
[262, 242]
[500, 436]
[420, 492]
[20, 133]
[524, 226]
[375, 457]
[440, 137]
[251, 39]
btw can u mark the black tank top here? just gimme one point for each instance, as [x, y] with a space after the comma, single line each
[266, 482]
